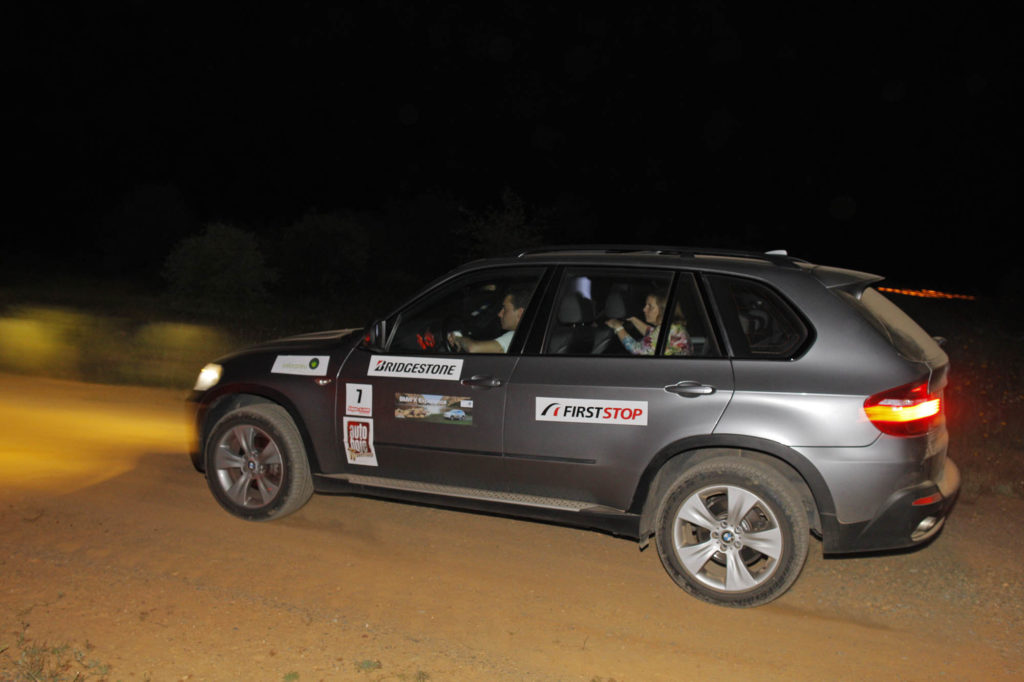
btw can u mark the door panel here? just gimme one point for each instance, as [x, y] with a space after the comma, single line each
[630, 364]
[428, 429]
[599, 447]
[436, 412]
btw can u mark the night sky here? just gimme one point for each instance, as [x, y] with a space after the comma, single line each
[875, 136]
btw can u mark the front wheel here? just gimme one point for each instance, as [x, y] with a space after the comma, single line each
[256, 463]
[733, 532]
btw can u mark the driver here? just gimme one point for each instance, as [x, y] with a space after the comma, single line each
[512, 308]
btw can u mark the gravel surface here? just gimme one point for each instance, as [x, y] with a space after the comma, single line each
[116, 555]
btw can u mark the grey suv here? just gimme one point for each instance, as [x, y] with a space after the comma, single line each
[728, 404]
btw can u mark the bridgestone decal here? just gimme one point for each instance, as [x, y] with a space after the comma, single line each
[414, 368]
[582, 411]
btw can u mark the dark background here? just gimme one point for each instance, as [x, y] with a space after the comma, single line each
[879, 136]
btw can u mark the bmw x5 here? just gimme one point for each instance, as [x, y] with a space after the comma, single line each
[729, 405]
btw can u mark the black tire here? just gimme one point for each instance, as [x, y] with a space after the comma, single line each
[733, 532]
[256, 463]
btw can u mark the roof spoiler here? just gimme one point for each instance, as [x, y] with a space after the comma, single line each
[850, 281]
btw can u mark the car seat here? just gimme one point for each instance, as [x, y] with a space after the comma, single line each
[614, 308]
[573, 333]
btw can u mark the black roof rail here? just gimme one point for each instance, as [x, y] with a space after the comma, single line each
[780, 258]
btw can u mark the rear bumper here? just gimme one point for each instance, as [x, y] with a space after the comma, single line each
[911, 516]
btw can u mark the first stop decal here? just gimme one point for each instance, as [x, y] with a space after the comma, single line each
[583, 411]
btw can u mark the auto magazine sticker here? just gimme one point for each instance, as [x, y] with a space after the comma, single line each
[414, 368]
[435, 409]
[359, 400]
[305, 365]
[582, 411]
[359, 441]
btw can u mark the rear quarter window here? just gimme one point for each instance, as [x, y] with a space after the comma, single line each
[759, 323]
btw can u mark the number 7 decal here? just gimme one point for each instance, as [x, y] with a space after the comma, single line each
[359, 400]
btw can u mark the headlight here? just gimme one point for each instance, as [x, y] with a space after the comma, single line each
[208, 377]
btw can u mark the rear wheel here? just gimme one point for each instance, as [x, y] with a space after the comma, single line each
[256, 463]
[733, 532]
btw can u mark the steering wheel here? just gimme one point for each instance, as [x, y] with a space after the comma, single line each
[449, 325]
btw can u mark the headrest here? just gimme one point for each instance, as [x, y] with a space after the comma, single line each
[615, 305]
[570, 311]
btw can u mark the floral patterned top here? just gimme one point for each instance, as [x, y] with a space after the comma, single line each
[678, 341]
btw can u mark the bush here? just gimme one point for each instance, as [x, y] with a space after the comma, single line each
[501, 231]
[324, 255]
[66, 344]
[171, 353]
[220, 271]
[35, 341]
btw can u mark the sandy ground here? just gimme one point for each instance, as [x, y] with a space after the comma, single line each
[113, 546]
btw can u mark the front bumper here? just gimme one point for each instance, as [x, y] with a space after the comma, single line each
[909, 517]
[195, 410]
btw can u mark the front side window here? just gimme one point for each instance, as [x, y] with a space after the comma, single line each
[478, 312]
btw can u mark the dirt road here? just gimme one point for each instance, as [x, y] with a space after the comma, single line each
[112, 545]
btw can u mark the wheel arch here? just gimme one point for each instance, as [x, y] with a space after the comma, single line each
[676, 458]
[239, 396]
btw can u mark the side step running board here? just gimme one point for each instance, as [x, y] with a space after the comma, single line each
[471, 493]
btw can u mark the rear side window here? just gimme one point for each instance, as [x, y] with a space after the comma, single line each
[629, 312]
[905, 335]
[758, 322]
[607, 311]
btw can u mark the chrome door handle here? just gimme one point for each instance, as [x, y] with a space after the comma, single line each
[481, 381]
[690, 389]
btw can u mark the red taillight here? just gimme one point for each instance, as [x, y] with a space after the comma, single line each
[904, 411]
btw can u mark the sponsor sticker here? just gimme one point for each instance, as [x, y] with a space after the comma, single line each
[436, 409]
[583, 411]
[305, 365]
[414, 368]
[359, 400]
[359, 441]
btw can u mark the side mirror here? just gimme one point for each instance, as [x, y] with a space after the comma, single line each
[941, 340]
[376, 336]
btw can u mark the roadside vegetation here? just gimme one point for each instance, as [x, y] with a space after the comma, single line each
[23, 658]
[176, 305]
